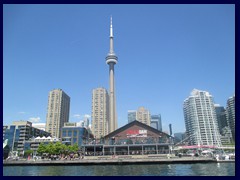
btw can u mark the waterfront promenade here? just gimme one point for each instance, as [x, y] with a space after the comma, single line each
[99, 160]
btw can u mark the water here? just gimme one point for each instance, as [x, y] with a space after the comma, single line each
[200, 169]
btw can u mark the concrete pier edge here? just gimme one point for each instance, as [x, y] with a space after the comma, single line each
[111, 161]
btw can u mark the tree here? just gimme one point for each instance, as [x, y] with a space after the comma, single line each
[73, 148]
[28, 152]
[50, 148]
[58, 148]
[41, 149]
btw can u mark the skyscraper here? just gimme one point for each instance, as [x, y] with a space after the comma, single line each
[111, 60]
[231, 114]
[143, 115]
[132, 115]
[200, 119]
[221, 117]
[58, 111]
[84, 122]
[100, 112]
[156, 122]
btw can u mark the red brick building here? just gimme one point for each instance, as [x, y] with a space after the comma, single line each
[133, 138]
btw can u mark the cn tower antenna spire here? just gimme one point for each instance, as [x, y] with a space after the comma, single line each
[111, 51]
[111, 28]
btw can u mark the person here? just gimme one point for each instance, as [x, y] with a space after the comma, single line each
[168, 156]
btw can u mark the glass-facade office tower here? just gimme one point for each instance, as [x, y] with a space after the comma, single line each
[58, 111]
[231, 114]
[179, 137]
[221, 117]
[100, 112]
[156, 122]
[72, 134]
[200, 119]
[132, 115]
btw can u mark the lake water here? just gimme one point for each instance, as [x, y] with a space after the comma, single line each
[199, 169]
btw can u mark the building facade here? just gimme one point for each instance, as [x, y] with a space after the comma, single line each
[84, 122]
[134, 138]
[200, 119]
[100, 112]
[143, 116]
[231, 114]
[72, 134]
[226, 136]
[41, 126]
[179, 137]
[33, 143]
[57, 112]
[20, 132]
[221, 117]
[156, 122]
[132, 115]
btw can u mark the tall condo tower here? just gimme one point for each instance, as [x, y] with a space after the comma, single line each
[58, 111]
[144, 116]
[100, 112]
[200, 119]
[111, 60]
[231, 114]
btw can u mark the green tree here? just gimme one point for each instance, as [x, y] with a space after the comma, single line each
[73, 148]
[51, 149]
[59, 147]
[64, 149]
[41, 149]
[28, 152]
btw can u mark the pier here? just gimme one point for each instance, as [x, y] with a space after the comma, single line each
[118, 160]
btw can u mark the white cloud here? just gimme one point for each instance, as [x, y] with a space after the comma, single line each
[34, 119]
[77, 116]
[87, 115]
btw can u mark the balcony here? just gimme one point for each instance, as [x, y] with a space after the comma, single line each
[34, 145]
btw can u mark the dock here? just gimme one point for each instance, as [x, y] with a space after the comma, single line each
[121, 160]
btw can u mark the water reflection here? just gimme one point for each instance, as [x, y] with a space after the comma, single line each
[208, 169]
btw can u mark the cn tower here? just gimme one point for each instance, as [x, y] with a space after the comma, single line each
[111, 60]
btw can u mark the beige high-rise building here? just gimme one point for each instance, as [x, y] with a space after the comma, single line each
[58, 111]
[143, 115]
[100, 112]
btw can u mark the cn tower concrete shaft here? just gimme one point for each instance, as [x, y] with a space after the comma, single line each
[112, 103]
[111, 60]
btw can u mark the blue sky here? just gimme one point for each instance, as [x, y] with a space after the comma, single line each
[164, 52]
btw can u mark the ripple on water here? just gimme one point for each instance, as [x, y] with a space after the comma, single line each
[200, 169]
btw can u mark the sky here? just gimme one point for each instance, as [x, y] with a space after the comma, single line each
[164, 52]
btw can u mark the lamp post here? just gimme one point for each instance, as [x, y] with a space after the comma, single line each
[94, 141]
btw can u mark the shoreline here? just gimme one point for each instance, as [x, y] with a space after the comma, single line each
[115, 161]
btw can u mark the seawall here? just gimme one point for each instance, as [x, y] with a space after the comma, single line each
[115, 161]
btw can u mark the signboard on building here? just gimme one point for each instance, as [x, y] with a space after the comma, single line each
[68, 124]
[137, 133]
